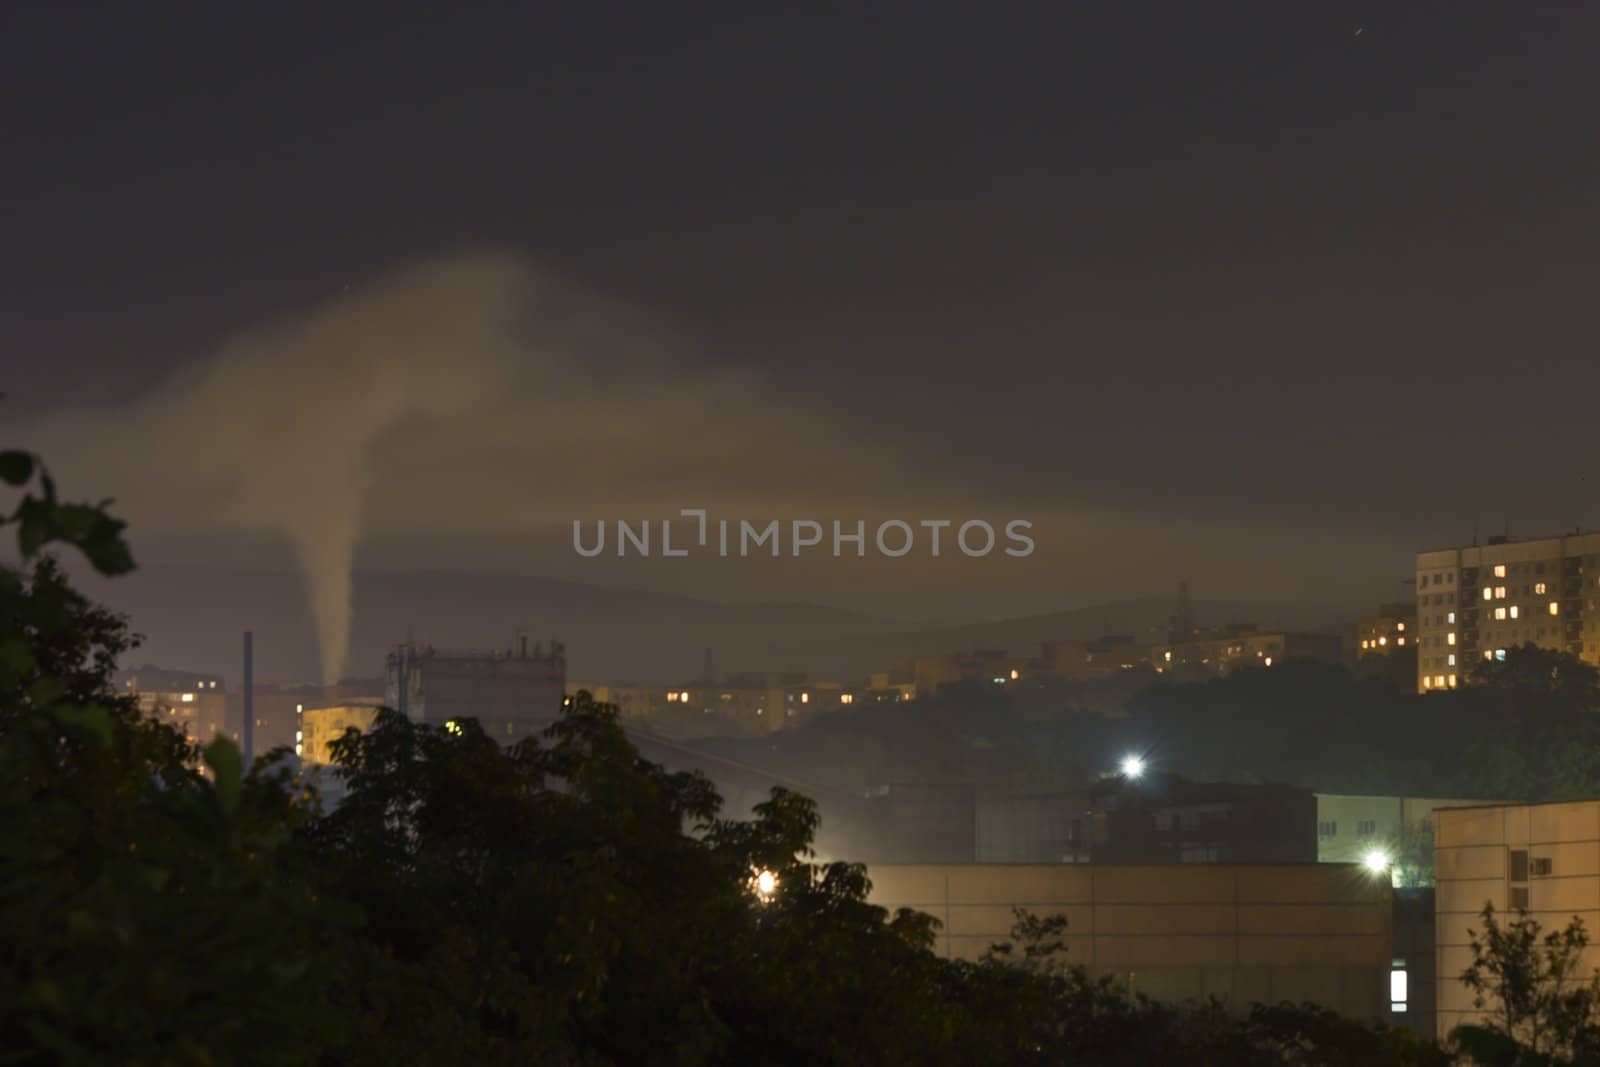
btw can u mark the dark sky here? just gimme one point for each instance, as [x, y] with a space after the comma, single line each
[1236, 263]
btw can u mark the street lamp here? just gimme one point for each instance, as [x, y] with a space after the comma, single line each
[1377, 861]
[1132, 767]
[764, 884]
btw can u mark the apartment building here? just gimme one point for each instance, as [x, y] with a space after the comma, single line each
[1474, 603]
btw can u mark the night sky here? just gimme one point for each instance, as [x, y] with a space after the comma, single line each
[1200, 288]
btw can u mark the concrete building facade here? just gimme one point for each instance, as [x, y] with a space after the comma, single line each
[512, 694]
[1353, 828]
[1395, 626]
[195, 702]
[1544, 858]
[1245, 934]
[320, 727]
[1474, 603]
[1215, 654]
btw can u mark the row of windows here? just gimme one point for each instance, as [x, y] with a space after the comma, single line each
[1330, 827]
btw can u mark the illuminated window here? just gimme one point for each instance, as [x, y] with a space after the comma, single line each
[1513, 611]
[1400, 641]
[1499, 570]
[1397, 986]
[298, 736]
[1438, 680]
[1499, 613]
[1540, 588]
[805, 698]
[1499, 592]
[1488, 594]
[1168, 657]
[847, 698]
[1487, 654]
[1555, 609]
[1450, 660]
[1268, 661]
[1452, 681]
[1450, 638]
[1014, 674]
[1427, 683]
[1450, 618]
[1400, 626]
[188, 698]
[1383, 640]
[1365, 643]
[1500, 655]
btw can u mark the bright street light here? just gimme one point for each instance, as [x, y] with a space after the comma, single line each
[765, 885]
[1377, 861]
[1132, 766]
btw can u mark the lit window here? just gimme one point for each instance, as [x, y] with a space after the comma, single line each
[299, 708]
[1450, 618]
[1365, 643]
[1427, 683]
[1383, 640]
[805, 698]
[1452, 681]
[1397, 987]
[1450, 660]
[188, 698]
[1400, 641]
[1499, 592]
[1555, 609]
[1169, 657]
[1450, 638]
[1499, 613]
[683, 697]
[1540, 588]
[1438, 680]
[847, 698]
[1400, 626]
[1014, 674]
[1487, 654]
[1500, 655]
[1514, 610]
[1269, 661]
[1499, 570]
[1488, 594]
[298, 736]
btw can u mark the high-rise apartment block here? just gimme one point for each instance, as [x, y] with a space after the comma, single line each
[1475, 603]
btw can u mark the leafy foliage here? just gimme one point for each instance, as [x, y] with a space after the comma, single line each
[1531, 985]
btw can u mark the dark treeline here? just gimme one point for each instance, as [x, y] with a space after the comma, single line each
[1527, 729]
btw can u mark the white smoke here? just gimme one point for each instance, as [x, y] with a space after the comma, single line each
[468, 393]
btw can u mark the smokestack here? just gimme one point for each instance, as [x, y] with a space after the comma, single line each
[249, 701]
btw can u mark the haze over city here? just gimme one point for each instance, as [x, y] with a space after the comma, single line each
[826, 534]
[1194, 318]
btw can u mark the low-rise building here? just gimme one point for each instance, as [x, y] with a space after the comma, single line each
[1244, 934]
[194, 701]
[1165, 819]
[512, 694]
[1395, 832]
[1543, 859]
[1099, 657]
[1395, 626]
[321, 727]
[1216, 653]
